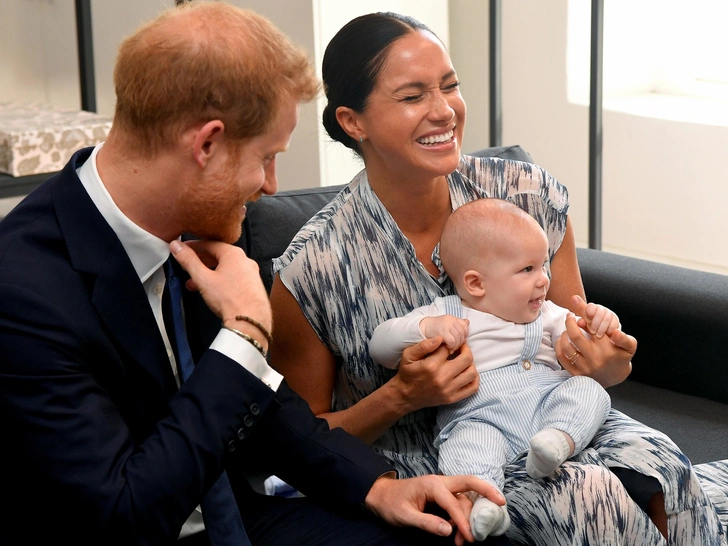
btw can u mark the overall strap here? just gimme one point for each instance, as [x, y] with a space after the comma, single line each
[453, 305]
[531, 342]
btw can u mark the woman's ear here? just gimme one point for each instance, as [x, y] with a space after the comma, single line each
[473, 283]
[350, 122]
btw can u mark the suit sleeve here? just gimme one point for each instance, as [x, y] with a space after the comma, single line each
[298, 447]
[93, 447]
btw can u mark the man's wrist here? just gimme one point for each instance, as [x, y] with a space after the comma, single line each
[250, 331]
[237, 320]
[370, 500]
[254, 342]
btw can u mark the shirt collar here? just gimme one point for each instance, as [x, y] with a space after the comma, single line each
[147, 252]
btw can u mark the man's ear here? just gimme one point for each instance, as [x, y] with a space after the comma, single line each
[349, 121]
[207, 141]
[473, 283]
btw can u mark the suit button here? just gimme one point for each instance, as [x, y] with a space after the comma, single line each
[254, 409]
[248, 421]
[241, 434]
[231, 446]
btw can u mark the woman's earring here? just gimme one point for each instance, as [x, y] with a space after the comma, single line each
[361, 139]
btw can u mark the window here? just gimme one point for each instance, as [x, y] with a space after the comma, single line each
[662, 58]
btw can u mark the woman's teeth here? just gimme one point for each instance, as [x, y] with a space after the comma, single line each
[437, 139]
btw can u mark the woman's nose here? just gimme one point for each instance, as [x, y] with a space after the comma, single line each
[441, 109]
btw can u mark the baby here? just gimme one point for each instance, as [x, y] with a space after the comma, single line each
[497, 257]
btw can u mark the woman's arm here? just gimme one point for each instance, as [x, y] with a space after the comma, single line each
[608, 360]
[565, 274]
[425, 378]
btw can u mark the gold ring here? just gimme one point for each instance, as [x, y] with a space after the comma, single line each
[573, 357]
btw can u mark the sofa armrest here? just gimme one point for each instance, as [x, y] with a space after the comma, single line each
[678, 315]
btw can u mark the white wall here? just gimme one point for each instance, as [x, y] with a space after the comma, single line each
[469, 53]
[38, 53]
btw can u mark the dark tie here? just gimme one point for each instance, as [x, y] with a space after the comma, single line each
[219, 509]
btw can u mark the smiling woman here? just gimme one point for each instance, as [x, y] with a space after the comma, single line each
[373, 253]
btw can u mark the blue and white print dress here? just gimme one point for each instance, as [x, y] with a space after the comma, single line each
[351, 268]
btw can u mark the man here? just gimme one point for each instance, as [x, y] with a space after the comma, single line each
[111, 434]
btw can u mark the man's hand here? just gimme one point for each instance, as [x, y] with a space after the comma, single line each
[402, 502]
[227, 279]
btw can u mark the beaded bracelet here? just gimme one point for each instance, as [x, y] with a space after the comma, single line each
[255, 323]
[246, 337]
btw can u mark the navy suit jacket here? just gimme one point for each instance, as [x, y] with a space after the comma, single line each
[99, 445]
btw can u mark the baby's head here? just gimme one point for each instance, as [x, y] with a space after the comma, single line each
[497, 257]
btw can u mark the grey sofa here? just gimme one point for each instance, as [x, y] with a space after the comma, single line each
[679, 382]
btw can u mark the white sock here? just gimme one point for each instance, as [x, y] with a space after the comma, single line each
[549, 448]
[488, 519]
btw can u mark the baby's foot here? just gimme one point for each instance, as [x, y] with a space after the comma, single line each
[549, 448]
[488, 519]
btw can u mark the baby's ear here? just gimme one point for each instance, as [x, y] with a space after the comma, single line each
[473, 283]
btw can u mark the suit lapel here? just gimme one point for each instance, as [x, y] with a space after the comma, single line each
[116, 292]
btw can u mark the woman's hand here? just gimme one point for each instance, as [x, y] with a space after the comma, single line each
[428, 377]
[608, 359]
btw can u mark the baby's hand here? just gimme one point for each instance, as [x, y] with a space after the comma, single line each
[598, 320]
[453, 330]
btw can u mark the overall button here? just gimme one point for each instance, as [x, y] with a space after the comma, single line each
[526, 364]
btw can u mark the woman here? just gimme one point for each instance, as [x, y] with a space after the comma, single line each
[373, 254]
